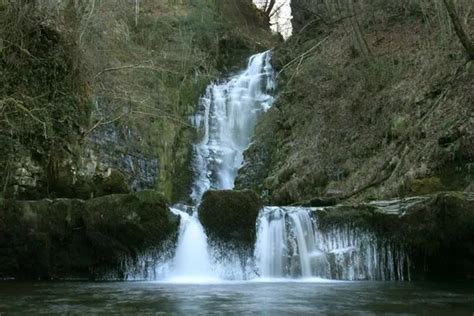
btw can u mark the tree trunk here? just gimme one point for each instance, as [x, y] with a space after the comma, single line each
[269, 7]
[137, 11]
[465, 41]
[358, 35]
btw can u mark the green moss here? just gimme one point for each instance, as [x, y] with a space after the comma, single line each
[361, 216]
[75, 238]
[115, 183]
[425, 186]
[440, 235]
[230, 216]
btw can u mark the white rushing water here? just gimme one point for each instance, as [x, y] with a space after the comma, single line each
[192, 261]
[291, 244]
[226, 120]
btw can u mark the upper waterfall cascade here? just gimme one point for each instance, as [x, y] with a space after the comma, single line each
[226, 119]
[290, 243]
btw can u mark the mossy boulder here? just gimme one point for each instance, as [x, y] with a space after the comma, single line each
[114, 182]
[72, 238]
[230, 216]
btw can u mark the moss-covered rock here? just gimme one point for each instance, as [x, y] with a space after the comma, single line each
[230, 216]
[115, 182]
[437, 231]
[71, 238]
[440, 235]
[362, 216]
[425, 186]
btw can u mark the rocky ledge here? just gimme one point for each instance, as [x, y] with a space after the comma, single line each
[437, 231]
[72, 238]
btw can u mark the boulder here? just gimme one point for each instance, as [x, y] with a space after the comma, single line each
[230, 216]
[72, 238]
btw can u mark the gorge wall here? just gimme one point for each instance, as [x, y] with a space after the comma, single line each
[95, 97]
[374, 101]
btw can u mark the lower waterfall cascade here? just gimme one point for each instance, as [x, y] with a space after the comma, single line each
[290, 244]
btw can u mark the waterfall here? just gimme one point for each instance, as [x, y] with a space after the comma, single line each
[290, 243]
[192, 261]
[226, 119]
[305, 239]
[271, 249]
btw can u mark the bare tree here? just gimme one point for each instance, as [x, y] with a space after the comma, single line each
[463, 37]
[268, 8]
[137, 11]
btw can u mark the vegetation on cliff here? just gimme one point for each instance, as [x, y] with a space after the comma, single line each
[94, 88]
[375, 101]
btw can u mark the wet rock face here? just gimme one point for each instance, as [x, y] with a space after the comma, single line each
[230, 216]
[441, 236]
[72, 238]
[121, 150]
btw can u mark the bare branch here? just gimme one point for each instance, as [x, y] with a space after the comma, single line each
[119, 68]
[463, 37]
[302, 55]
[19, 104]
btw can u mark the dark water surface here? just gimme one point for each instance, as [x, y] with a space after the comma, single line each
[335, 298]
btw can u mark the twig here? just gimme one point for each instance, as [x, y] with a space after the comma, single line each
[87, 21]
[296, 70]
[302, 55]
[100, 122]
[23, 50]
[119, 68]
[20, 106]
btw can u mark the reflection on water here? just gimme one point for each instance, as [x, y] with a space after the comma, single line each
[246, 297]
